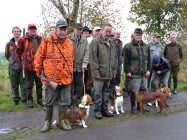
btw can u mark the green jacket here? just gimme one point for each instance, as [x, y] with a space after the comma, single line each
[102, 58]
[137, 58]
[173, 53]
[81, 52]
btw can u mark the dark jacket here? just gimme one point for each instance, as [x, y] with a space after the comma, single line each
[26, 51]
[173, 53]
[10, 55]
[137, 59]
[163, 66]
[102, 58]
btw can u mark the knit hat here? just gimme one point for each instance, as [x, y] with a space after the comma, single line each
[138, 30]
[156, 59]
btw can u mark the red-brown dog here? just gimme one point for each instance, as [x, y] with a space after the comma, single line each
[145, 97]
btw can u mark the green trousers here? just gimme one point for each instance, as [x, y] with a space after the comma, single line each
[17, 81]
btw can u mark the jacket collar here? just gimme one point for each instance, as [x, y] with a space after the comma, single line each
[73, 37]
[27, 36]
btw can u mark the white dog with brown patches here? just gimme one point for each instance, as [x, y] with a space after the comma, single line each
[117, 102]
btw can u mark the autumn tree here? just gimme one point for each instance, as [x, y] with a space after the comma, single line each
[160, 16]
[88, 12]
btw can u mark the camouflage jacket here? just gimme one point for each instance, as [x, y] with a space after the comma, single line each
[25, 52]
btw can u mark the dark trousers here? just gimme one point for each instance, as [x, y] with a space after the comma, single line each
[16, 80]
[173, 74]
[77, 85]
[117, 78]
[102, 91]
[31, 77]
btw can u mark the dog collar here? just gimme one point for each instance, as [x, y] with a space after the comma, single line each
[118, 95]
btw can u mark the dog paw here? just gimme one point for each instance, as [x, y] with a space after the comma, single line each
[117, 113]
[85, 126]
[122, 111]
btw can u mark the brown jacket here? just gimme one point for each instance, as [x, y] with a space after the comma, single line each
[173, 53]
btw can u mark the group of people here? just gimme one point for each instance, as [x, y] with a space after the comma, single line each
[64, 59]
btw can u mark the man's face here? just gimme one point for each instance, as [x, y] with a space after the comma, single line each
[16, 32]
[61, 32]
[96, 33]
[156, 39]
[117, 35]
[86, 33]
[173, 38]
[78, 32]
[32, 31]
[106, 32]
[138, 37]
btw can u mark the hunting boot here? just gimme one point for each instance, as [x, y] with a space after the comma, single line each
[175, 87]
[48, 119]
[133, 108]
[62, 117]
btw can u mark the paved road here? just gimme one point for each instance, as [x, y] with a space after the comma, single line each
[171, 127]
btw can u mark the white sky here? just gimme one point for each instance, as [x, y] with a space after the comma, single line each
[23, 12]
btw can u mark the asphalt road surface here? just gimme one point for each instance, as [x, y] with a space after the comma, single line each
[171, 127]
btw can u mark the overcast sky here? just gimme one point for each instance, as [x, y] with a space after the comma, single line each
[23, 12]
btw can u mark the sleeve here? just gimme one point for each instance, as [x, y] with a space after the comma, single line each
[127, 58]
[180, 52]
[166, 66]
[20, 48]
[39, 57]
[149, 59]
[7, 51]
[93, 59]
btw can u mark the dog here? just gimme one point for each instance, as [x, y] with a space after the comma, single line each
[79, 114]
[117, 102]
[145, 97]
[166, 91]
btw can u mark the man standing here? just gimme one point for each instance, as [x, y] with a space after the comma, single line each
[95, 32]
[54, 61]
[156, 48]
[15, 68]
[81, 56]
[27, 47]
[103, 66]
[86, 31]
[137, 64]
[174, 54]
[118, 45]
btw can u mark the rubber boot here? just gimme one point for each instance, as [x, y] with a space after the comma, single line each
[48, 119]
[175, 87]
[62, 117]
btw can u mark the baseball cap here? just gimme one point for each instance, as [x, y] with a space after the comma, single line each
[78, 25]
[96, 28]
[157, 35]
[138, 30]
[61, 23]
[31, 25]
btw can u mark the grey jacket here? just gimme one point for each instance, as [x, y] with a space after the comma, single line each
[10, 55]
[81, 52]
[102, 58]
[156, 49]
